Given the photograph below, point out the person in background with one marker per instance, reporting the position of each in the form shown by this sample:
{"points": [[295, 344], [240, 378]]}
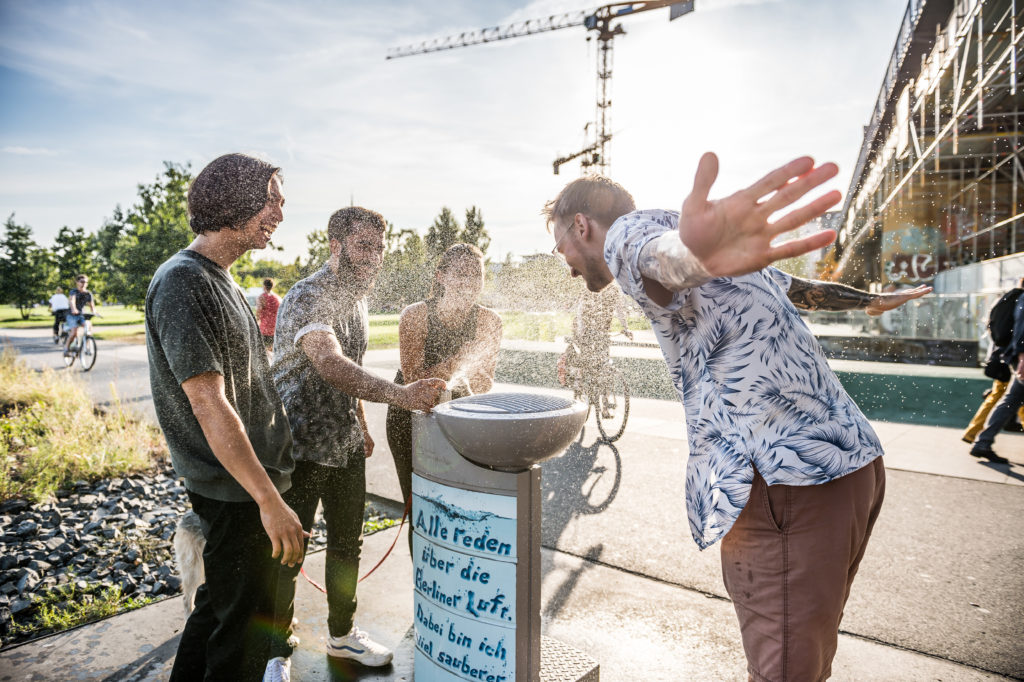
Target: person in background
{"points": [[59, 306], [266, 313], [322, 334], [79, 298], [449, 336], [592, 327], [1013, 398], [997, 370]]}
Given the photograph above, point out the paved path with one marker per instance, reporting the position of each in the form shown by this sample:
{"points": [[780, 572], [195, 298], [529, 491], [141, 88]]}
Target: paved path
{"points": [[939, 595]]}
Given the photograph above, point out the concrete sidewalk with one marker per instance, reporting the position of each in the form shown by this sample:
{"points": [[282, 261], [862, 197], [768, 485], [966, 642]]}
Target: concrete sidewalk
{"points": [[629, 588], [635, 627]]}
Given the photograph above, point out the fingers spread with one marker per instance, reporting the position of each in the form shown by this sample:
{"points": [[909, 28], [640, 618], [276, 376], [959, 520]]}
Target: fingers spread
{"points": [[798, 217], [797, 188], [798, 247], [707, 172], [779, 177]]}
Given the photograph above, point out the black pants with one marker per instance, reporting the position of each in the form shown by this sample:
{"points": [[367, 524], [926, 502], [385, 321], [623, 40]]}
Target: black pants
{"points": [[226, 637], [58, 319], [343, 493], [399, 430], [1003, 412]]}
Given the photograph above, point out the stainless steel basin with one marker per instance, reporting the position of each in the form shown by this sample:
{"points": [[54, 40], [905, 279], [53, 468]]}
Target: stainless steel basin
{"points": [[510, 431]]}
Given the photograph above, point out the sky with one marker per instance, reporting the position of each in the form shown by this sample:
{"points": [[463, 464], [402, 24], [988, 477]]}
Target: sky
{"points": [[95, 95]]}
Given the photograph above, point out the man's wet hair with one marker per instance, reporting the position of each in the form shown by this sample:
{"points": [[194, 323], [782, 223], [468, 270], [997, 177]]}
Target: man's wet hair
{"points": [[345, 220], [229, 191], [268, 283], [594, 196]]}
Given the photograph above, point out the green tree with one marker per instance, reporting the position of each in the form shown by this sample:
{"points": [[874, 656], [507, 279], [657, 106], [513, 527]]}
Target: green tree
{"points": [[474, 231], [444, 232], [25, 268], [318, 250], [75, 254], [153, 230]]}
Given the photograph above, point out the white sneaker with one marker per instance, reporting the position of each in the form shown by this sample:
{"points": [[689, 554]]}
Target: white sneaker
{"points": [[358, 646], [278, 670]]}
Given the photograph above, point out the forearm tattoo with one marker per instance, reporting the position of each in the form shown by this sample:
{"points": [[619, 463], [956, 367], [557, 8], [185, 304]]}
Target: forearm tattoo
{"points": [[813, 295], [667, 260]]}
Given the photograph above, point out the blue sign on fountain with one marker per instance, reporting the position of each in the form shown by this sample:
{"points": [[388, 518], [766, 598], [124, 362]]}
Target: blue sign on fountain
{"points": [[464, 566]]}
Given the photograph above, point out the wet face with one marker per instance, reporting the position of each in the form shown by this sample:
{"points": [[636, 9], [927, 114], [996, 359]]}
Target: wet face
{"points": [[363, 249], [577, 242], [257, 231], [463, 282]]}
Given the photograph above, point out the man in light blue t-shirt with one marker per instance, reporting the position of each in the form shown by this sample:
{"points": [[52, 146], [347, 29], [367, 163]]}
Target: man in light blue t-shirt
{"points": [[783, 467]]}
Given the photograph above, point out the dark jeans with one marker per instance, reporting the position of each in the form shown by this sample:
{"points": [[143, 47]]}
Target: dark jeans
{"points": [[343, 493], [1003, 412], [225, 637], [399, 430], [58, 320]]}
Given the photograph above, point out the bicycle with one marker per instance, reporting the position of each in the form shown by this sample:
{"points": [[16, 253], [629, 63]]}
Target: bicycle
{"points": [[604, 388], [83, 348]]}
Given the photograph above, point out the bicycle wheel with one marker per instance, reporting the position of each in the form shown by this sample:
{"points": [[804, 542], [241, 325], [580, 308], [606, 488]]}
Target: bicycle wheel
{"points": [[601, 484], [71, 353], [88, 353], [613, 406]]}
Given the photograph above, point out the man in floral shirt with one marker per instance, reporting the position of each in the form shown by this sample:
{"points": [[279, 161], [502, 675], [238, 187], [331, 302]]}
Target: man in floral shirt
{"points": [[783, 466]]}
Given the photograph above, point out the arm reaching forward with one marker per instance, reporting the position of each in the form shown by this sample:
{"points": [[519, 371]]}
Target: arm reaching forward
{"points": [[330, 362], [809, 294]]}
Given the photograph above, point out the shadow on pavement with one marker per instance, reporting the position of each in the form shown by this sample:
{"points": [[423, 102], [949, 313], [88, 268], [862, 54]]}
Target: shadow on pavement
{"points": [[583, 481]]}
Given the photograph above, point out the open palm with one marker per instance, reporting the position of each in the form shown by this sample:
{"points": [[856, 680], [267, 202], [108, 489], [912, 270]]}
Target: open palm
{"points": [[732, 236]]}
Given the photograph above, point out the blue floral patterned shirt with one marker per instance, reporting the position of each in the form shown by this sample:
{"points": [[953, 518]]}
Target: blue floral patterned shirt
{"points": [[754, 382]]}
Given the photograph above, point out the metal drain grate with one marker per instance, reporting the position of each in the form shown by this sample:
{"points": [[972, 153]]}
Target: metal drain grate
{"points": [[509, 403]]}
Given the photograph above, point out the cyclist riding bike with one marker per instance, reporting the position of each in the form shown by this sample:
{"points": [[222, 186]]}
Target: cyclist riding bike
{"points": [[592, 331], [78, 300]]}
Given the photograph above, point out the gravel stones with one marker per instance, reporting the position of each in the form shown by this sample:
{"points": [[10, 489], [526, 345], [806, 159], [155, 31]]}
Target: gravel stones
{"points": [[116, 532]]}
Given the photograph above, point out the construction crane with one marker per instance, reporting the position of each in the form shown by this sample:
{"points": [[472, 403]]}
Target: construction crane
{"points": [[595, 153]]}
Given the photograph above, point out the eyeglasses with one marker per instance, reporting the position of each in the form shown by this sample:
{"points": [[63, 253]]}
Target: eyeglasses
{"points": [[554, 250]]}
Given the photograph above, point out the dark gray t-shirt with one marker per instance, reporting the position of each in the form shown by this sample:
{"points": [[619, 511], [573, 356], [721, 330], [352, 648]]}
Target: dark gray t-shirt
{"points": [[197, 320], [323, 419]]}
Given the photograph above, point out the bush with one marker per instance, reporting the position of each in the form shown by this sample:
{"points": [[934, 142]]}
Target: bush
{"points": [[51, 434]]}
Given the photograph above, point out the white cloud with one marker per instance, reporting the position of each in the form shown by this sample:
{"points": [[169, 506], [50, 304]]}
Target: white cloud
{"points": [[28, 151]]}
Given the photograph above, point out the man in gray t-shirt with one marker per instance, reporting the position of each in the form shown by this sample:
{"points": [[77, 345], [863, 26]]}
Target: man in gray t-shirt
{"points": [[319, 342], [225, 426]]}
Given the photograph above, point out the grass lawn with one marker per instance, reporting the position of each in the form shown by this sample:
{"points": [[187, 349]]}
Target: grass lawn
{"points": [[51, 435], [40, 317]]}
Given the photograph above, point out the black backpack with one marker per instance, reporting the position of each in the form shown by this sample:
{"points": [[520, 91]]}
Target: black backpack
{"points": [[1000, 318]]}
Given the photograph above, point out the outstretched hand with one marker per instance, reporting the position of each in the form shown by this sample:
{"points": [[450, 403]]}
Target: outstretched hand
{"points": [[883, 302], [732, 236]]}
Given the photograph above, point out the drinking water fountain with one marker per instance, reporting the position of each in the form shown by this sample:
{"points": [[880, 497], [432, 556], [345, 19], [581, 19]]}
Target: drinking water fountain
{"points": [[476, 520]]}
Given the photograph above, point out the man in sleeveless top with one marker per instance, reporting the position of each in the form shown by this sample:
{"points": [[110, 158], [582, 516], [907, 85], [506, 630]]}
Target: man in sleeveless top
{"points": [[783, 467], [319, 343]]}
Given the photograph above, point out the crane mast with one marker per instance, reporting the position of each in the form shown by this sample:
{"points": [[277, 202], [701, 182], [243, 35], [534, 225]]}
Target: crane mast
{"points": [[596, 153]]}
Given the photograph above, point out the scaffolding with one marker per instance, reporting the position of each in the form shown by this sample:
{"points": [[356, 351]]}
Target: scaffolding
{"points": [[939, 182]]}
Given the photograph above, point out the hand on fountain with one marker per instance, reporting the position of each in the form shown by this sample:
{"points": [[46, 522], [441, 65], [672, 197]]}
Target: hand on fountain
{"points": [[422, 394]]}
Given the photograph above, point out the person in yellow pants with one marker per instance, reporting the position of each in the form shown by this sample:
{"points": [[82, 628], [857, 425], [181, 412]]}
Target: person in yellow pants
{"points": [[992, 396]]}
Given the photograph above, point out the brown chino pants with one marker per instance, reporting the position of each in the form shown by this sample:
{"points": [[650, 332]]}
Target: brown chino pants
{"points": [[788, 563]]}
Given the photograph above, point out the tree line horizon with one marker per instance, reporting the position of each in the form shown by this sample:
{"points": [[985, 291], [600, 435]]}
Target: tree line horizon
{"points": [[121, 256]]}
